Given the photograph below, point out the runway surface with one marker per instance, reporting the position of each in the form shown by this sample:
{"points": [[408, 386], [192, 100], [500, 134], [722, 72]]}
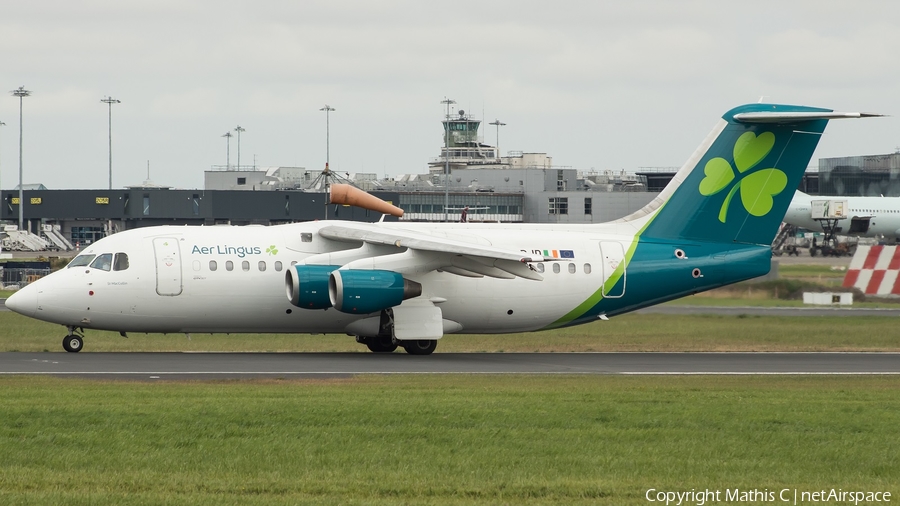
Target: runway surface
{"points": [[145, 366]]}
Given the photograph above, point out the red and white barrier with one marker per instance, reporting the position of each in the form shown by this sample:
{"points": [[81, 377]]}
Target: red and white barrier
{"points": [[874, 269]]}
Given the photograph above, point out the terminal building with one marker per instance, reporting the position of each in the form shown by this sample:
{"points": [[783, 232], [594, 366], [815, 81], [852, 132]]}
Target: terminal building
{"points": [[868, 175]]}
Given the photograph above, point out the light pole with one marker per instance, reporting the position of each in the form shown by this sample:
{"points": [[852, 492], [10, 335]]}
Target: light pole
{"points": [[326, 173], [227, 136], [449, 102], [2, 124], [327, 110], [497, 123], [21, 93], [239, 129], [110, 101]]}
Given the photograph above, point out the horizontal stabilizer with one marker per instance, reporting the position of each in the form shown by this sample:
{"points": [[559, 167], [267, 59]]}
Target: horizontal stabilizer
{"points": [[794, 116]]}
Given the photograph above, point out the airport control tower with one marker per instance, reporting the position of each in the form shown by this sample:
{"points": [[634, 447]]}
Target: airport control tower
{"points": [[464, 146]]}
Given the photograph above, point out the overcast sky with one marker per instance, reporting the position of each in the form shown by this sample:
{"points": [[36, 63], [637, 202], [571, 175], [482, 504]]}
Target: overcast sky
{"points": [[596, 85]]}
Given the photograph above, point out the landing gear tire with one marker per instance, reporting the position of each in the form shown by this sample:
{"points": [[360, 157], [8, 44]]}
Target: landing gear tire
{"points": [[73, 344], [380, 345], [420, 347]]}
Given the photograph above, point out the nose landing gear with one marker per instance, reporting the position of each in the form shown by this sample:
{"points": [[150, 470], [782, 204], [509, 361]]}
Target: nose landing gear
{"points": [[73, 342]]}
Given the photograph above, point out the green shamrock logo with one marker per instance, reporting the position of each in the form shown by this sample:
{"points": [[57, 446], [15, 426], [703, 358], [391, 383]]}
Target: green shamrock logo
{"points": [[272, 250], [757, 188]]}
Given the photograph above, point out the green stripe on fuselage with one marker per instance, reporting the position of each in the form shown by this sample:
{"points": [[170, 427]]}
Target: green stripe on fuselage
{"points": [[614, 278]]}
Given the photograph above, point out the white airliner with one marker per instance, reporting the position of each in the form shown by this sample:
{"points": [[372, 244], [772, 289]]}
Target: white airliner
{"points": [[409, 284], [865, 216]]}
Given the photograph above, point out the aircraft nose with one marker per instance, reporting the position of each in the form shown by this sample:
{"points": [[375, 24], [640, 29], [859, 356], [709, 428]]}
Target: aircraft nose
{"points": [[24, 301]]}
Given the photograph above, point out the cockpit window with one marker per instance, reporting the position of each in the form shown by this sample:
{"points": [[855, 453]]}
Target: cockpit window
{"points": [[81, 261], [102, 262], [121, 262]]}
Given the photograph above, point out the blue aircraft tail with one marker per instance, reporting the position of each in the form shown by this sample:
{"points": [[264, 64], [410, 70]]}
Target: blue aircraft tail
{"points": [[737, 186]]}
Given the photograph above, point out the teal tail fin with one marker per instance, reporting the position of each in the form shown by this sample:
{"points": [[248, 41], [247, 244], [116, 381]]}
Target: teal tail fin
{"points": [[739, 183]]}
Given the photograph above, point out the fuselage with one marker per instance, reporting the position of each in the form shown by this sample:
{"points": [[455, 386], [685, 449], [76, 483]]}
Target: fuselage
{"points": [[232, 279]]}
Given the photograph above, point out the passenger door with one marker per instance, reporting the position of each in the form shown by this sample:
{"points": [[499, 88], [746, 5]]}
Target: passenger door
{"points": [[168, 266], [612, 257]]}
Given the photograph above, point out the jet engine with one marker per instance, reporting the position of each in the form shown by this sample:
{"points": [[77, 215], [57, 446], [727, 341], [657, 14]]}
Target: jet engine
{"points": [[307, 285], [358, 291]]}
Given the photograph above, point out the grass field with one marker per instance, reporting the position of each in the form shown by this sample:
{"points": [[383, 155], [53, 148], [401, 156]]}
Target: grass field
{"points": [[442, 440]]}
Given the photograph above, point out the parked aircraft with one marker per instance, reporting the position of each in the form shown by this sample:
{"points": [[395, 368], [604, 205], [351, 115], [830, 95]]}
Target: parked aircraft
{"points": [[409, 284], [863, 216]]}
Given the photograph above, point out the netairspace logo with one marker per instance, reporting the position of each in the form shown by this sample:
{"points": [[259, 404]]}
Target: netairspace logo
{"points": [[755, 496]]}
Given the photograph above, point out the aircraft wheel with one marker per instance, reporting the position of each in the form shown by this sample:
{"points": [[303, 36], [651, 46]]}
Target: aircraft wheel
{"points": [[73, 344], [380, 345], [420, 347]]}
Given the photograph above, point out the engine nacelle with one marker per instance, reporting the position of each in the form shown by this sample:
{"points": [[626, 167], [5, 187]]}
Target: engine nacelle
{"points": [[307, 285], [358, 291]]}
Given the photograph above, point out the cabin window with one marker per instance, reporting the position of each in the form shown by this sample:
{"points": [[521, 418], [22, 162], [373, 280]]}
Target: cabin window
{"points": [[587, 268], [262, 266], [556, 268], [245, 266], [213, 265], [278, 266], [571, 268], [195, 265], [539, 267], [102, 262], [229, 265], [81, 261], [121, 262]]}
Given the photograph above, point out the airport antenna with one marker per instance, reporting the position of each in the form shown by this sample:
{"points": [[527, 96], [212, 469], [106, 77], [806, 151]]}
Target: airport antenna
{"points": [[110, 101], [448, 102], [21, 93]]}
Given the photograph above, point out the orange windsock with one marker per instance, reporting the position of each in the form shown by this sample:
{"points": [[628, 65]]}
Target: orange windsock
{"points": [[352, 196]]}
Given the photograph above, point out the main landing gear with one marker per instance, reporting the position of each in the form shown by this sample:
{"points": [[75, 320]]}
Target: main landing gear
{"points": [[383, 344], [420, 347], [379, 344], [73, 342]]}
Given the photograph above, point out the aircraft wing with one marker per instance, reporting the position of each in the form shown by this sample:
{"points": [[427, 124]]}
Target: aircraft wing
{"points": [[437, 253]]}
